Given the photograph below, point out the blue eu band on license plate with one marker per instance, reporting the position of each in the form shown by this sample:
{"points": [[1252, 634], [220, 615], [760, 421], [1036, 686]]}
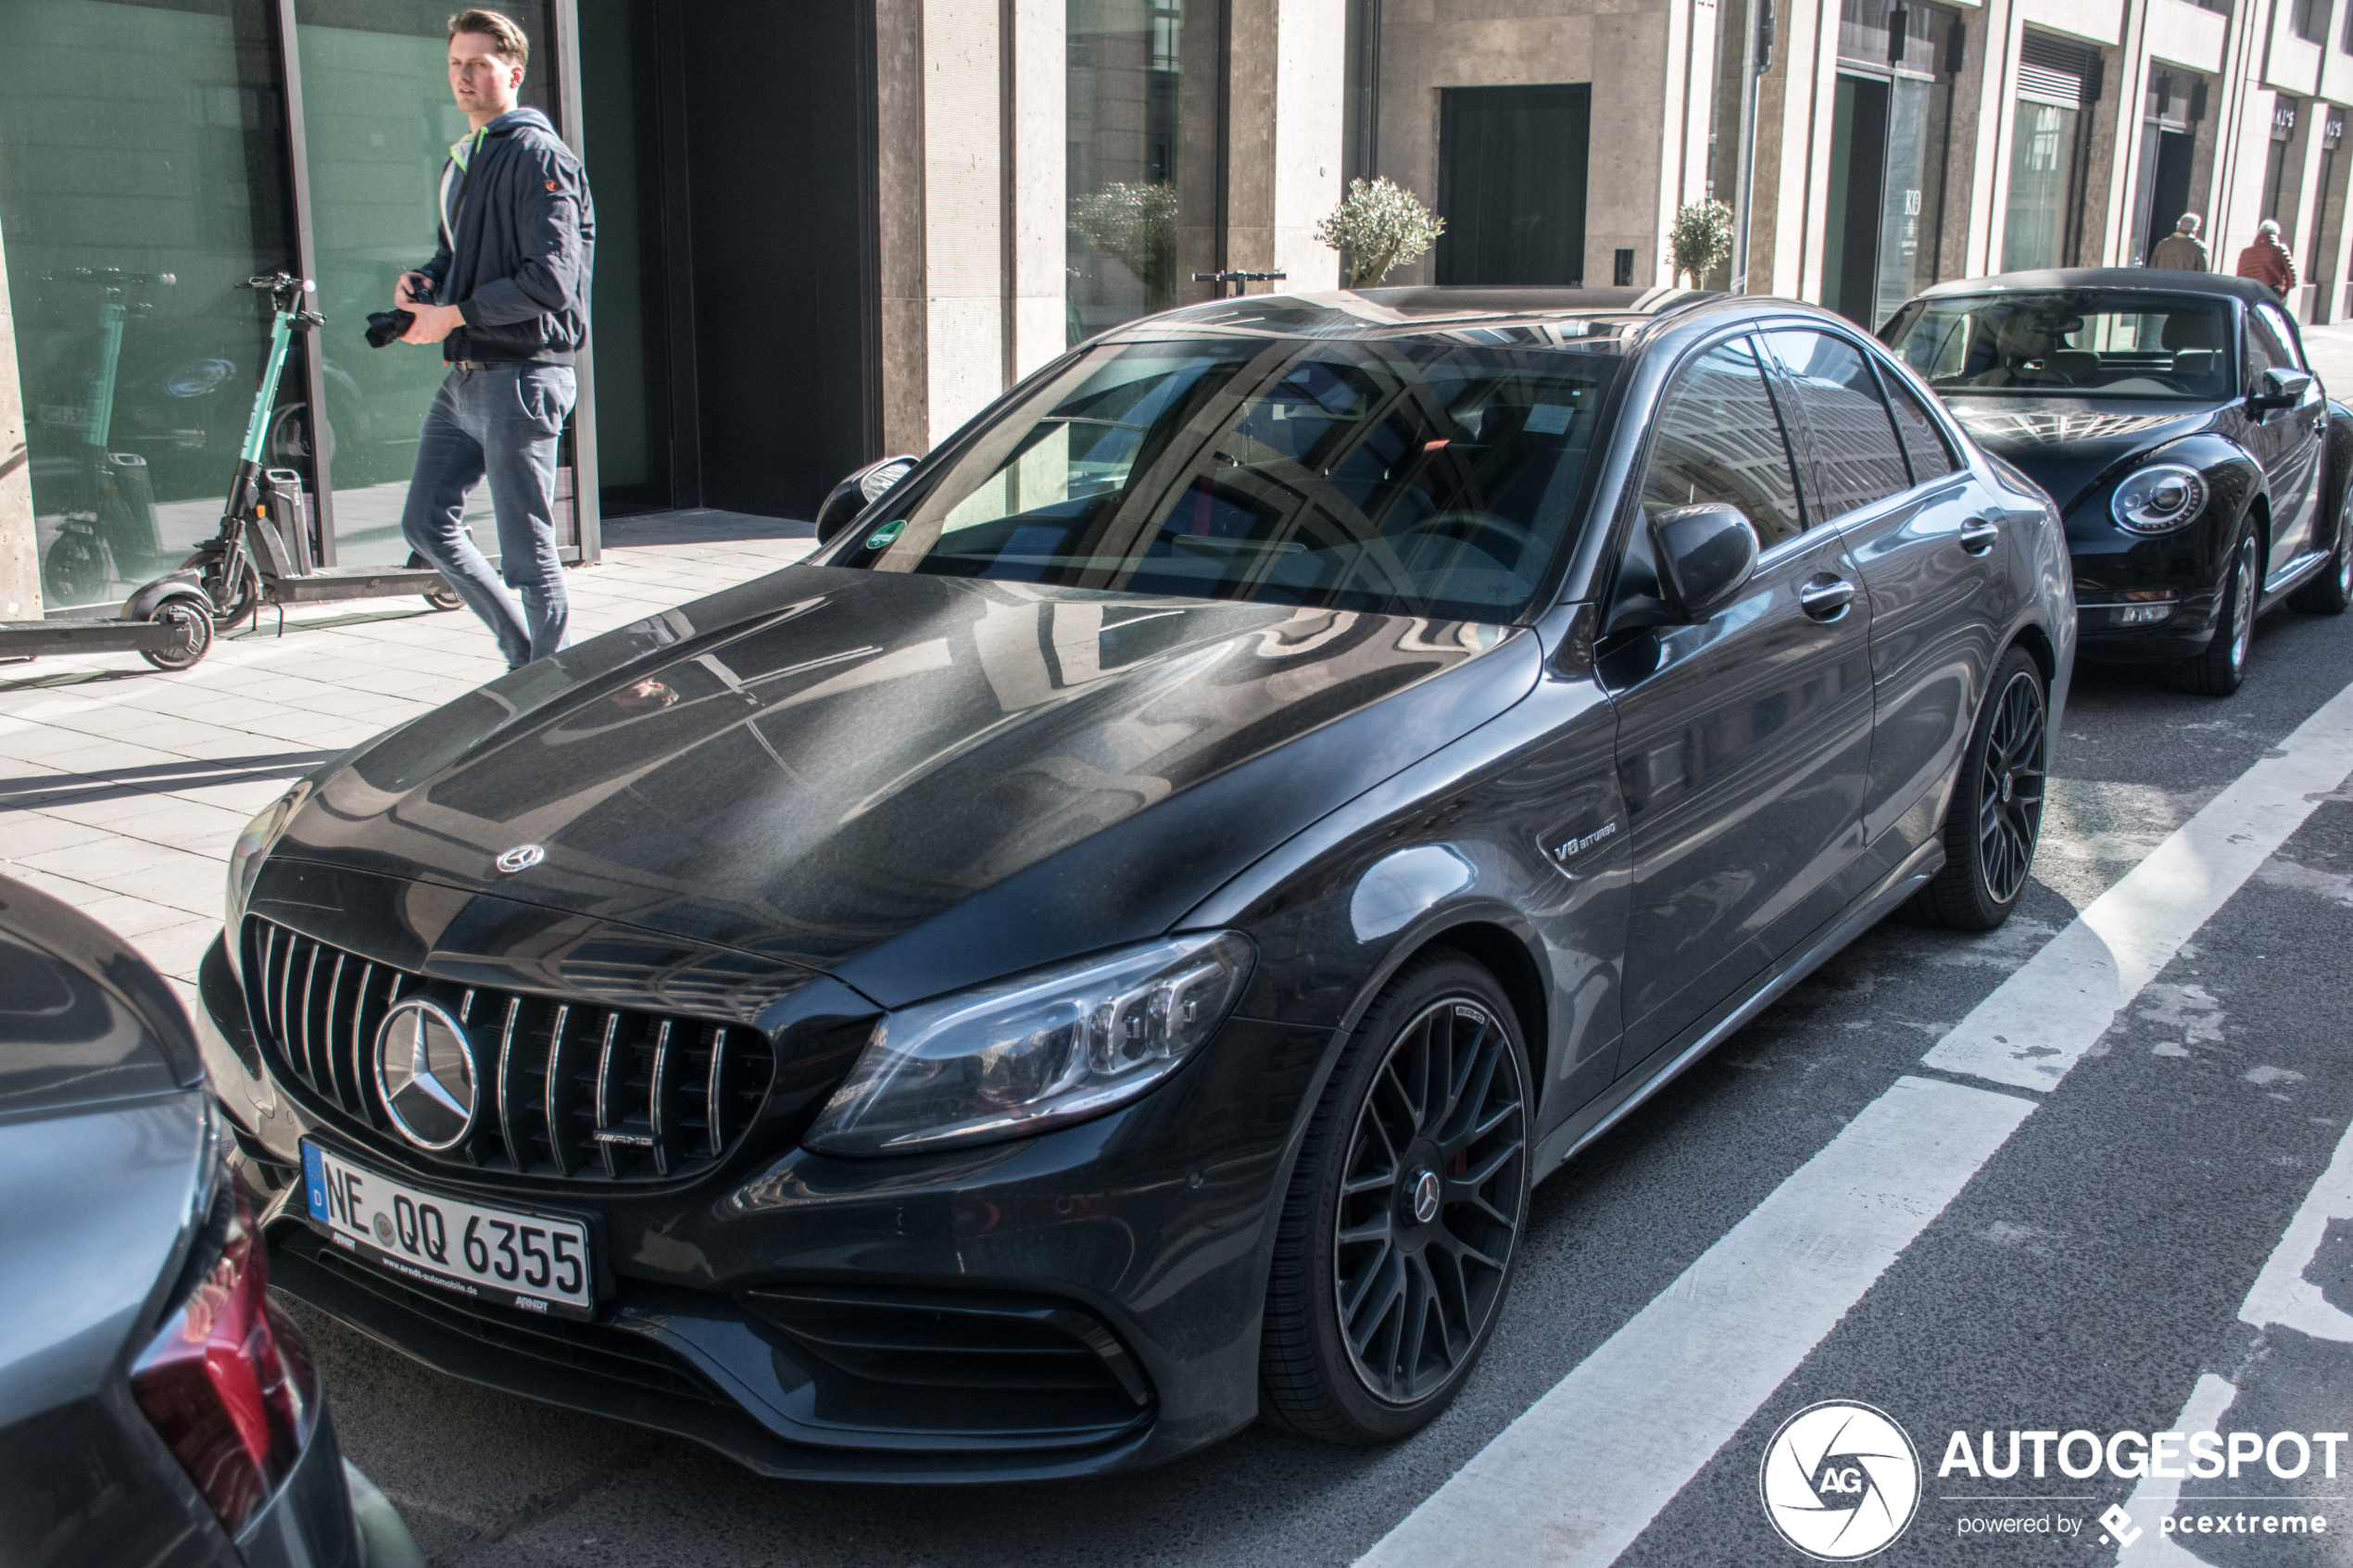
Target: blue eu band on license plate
{"points": [[537, 1262]]}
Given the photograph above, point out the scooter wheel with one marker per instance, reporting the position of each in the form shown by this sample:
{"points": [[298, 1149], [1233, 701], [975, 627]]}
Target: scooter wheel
{"points": [[235, 600], [77, 570], [444, 598], [194, 641]]}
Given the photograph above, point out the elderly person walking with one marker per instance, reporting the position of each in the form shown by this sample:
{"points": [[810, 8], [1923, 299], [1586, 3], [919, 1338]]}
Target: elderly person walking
{"points": [[2267, 260], [2183, 251]]}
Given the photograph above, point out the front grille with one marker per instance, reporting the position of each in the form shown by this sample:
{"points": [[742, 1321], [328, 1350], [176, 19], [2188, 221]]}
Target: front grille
{"points": [[573, 1089]]}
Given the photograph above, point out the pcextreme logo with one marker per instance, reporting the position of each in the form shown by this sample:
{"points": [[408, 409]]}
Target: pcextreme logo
{"points": [[1840, 1481]]}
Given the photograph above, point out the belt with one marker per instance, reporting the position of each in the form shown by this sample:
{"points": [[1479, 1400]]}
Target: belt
{"points": [[484, 364]]}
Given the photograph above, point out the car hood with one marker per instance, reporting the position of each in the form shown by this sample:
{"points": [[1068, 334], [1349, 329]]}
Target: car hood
{"points": [[2067, 445], [909, 782]]}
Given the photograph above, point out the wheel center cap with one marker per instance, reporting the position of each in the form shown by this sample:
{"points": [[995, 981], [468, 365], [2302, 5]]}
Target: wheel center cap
{"points": [[1422, 1196], [2009, 783]]}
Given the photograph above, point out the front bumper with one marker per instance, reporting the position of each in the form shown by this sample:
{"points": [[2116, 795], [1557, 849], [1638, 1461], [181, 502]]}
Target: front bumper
{"points": [[1083, 1301]]}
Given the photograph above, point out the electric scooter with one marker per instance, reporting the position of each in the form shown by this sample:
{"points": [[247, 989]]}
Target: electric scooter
{"points": [[262, 554], [113, 534]]}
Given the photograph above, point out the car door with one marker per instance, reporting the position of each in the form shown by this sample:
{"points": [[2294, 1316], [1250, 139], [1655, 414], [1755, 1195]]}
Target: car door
{"points": [[1743, 739], [2290, 439], [1933, 558]]}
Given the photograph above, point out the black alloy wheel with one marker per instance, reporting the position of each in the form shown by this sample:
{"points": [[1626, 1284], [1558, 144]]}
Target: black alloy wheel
{"points": [[2331, 590], [1997, 816], [194, 634], [1401, 1230], [2223, 666]]}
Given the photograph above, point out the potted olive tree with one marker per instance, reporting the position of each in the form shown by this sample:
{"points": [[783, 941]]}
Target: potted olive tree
{"points": [[1378, 227]]}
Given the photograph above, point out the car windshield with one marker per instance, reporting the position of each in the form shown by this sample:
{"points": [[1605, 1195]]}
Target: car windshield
{"points": [[2070, 343], [1412, 476]]}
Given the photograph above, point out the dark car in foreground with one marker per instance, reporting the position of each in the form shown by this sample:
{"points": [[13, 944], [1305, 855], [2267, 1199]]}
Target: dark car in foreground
{"points": [[1105, 948], [2200, 465], [154, 1408]]}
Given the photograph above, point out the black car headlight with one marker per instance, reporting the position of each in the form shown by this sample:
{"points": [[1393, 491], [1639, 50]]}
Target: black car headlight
{"points": [[1041, 1051], [2159, 498]]}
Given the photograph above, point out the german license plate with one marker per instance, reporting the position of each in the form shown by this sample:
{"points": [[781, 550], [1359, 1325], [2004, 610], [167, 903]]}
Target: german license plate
{"points": [[535, 1262]]}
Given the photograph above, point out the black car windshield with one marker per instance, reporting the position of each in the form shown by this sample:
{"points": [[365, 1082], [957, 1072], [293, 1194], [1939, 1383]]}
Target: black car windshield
{"points": [[1412, 476], [2098, 343]]}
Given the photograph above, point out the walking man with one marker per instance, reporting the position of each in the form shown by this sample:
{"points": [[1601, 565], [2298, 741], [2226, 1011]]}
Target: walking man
{"points": [[505, 296], [2267, 260], [2183, 251]]}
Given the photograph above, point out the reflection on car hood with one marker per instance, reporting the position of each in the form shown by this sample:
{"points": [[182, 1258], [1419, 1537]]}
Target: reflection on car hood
{"points": [[2069, 445], [810, 766]]}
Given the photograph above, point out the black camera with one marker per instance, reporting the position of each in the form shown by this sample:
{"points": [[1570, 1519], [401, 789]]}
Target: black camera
{"points": [[384, 326]]}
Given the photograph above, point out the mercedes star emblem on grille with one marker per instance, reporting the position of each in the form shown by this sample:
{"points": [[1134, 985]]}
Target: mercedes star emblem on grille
{"points": [[522, 858], [425, 1071]]}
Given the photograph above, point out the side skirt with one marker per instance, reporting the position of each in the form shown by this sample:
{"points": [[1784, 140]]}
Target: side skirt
{"points": [[1664, 1065]]}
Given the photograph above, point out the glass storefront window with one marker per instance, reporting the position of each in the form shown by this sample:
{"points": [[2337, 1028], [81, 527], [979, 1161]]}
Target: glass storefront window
{"points": [[2042, 166], [138, 143], [378, 120], [1138, 201]]}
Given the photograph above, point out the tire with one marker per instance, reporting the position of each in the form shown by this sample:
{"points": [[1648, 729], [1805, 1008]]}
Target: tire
{"points": [[444, 598], [233, 597], [1996, 819], [195, 639], [77, 570], [1410, 1202], [2329, 593], [2223, 666]]}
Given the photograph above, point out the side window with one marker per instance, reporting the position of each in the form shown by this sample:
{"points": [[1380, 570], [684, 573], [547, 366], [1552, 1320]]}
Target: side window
{"points": [[1857, 459], [1923, 442], [2271, 343], [1720, 439]]}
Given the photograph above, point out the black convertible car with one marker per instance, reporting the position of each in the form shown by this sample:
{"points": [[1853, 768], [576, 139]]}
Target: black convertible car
{"points": [[2198, 461], [1105, 948]]}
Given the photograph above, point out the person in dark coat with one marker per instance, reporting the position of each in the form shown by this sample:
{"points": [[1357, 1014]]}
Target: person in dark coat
{"points": [[2183, 251]]}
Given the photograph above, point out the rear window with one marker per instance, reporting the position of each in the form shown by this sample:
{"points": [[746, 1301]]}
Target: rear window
{"points": [[2070, 343], [1412, 476]]}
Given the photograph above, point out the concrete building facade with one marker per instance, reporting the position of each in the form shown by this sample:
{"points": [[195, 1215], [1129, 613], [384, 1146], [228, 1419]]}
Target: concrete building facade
{"points": [[834, 229]]}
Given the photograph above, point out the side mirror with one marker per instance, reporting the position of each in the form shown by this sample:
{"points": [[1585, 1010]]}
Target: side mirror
{"points": [[1705, 555], [857, 492], [2279, 389]]}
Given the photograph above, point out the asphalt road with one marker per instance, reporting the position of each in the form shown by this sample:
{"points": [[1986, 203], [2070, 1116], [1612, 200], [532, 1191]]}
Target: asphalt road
{"points": [[2089, 1274]]}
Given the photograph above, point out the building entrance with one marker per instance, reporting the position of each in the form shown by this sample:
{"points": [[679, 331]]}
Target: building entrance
{"points": [[1512, 183]]}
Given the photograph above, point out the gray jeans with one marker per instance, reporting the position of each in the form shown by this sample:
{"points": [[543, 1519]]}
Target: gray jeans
{"points": [[501, 424]]}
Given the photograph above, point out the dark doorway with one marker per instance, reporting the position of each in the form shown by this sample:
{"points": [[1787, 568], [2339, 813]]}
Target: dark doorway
{"points": [[2170, 194], [1857, 184], [737, 165], [1511, 183]]}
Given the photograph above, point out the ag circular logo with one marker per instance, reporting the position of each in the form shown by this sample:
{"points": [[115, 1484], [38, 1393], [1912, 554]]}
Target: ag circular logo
{"points": [[425, 1071], [1840, 1481]]}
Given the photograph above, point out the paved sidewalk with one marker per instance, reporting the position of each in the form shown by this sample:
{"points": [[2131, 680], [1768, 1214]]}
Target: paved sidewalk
{"points": [[121, 787]]}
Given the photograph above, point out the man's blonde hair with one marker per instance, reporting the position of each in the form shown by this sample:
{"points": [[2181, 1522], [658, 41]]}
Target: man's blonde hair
{"points": [[513, 47]]}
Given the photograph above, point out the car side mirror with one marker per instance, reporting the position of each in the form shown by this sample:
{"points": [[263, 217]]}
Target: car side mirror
{"points": [[857, 492], [2279, 389], [1706, 554]]}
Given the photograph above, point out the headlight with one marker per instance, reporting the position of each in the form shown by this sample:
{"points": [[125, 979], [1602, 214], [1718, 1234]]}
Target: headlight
{"points": [[2159, 498], [1040, 1051], [246, 854]]}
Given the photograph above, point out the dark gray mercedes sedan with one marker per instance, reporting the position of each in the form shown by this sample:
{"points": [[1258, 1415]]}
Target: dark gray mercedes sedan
{"points": [[1102, 951]]}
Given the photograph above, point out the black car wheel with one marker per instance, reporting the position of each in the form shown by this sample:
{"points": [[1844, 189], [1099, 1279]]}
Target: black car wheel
{"points": [[2333, 589], [1402, 1226], [2219, 671], [1997, 816]]}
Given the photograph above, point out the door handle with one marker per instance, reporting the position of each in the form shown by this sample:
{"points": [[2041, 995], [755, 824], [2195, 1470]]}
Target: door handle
{"points": [[1978, 535], [1826, 598]]}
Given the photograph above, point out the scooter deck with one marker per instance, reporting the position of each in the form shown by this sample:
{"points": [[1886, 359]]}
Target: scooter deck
{"points": [[30, 639], [349, 582]]}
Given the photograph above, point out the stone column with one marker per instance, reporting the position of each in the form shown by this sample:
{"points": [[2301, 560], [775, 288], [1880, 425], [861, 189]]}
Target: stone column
{"points": [[20, 554]]}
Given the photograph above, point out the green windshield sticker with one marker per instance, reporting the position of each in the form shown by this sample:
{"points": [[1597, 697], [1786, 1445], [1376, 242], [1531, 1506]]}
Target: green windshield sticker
{"points": [[885, 534]]}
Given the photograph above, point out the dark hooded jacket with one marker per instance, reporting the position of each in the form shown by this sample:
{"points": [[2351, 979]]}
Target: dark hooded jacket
{"points": [[516, 257]]}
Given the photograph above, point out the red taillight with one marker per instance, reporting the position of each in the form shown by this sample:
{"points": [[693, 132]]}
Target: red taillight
{"points": [[228, 1381]]}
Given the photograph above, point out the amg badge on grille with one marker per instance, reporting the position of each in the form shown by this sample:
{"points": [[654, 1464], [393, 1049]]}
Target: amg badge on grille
{"points": [[425, 1071]]}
